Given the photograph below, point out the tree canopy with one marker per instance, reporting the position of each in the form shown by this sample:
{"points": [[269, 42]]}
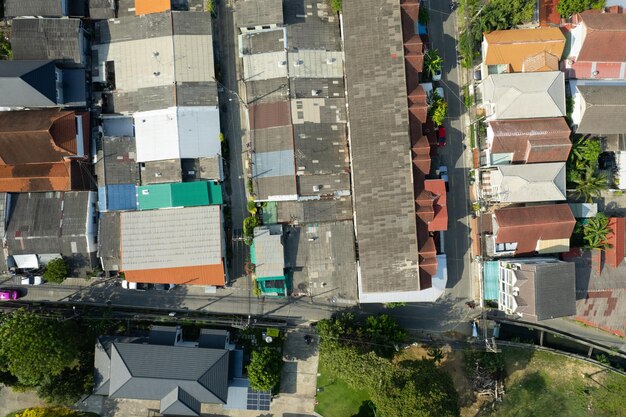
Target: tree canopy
{"points": [[566, 8], [596, 231], [56, 270], [50, 412], [33, 348], [264, 369]]}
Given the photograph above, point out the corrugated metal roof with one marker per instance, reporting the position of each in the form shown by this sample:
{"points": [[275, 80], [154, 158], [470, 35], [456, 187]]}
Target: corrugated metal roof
{"points": [[151, 6], [51, 8], [27, 83], [109, 241], [268, 252], [259, 12], [117, 197], [318, 28], [181, 275], [55, 39], [184, 194], [183, 237]]}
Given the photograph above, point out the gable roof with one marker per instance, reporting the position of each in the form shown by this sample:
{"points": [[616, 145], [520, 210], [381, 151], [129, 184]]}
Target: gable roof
{"points": [[528, 225], [180, 403], [203, 373], [526, 95], [55, 39], [27, 83], [603, 109], [532, 140], [515, 46], [605, 38], [526, 183]]}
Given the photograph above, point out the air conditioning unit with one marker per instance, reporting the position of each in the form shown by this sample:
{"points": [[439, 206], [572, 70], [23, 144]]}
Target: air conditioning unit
{"points": [[331, 60], [317, 188], [315, 93], [282, 63], [299, 62]]}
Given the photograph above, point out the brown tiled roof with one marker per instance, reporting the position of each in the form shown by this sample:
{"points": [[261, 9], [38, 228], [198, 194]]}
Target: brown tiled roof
{"points": [[36, 136], [184, 275], [532, 140], [543, 61], [266, 115], [528, 225], [614, 255], [66, 175], [605, 40], [548, 15], [513, 46]]}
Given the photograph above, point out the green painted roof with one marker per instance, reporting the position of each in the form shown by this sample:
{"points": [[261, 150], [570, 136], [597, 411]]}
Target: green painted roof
{"points": [[179, 194]]}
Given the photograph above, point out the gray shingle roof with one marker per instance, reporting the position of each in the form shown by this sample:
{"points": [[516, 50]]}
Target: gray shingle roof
{"points": [[180, 403], [258, 12], [51, 8], [27, 83], [547, 290], [212, 338], [55, 39], [163, 335], [604, 109], [522, 183], [150, 372], [381, 157]]}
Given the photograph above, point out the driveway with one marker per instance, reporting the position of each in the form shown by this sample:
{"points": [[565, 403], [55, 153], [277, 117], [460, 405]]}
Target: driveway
{"points": [[12, 400]]}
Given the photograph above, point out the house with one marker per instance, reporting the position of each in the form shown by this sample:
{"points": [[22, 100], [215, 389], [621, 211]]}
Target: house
{"points": [[267, 253], [155, 61], [177, 246], [515, 231], [180, 194], [45, 8], [254, 15], [522, 50], [61, 40], [523, 183], [177, 133], [527, 141], [41, 84], [118, 173], [44, 226], [206, 371], [527, 95], [398, 258], [537, 288], [598, 46], [44, 150], [432, 205], [599, 107]]}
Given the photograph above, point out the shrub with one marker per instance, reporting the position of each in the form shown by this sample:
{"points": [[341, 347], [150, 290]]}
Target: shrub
{"points": [[336, 5], [566, 8], [56, 270], [264, 369]]}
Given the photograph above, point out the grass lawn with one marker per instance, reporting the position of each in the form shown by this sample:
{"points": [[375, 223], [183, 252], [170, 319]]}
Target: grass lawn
{"points": [[337, 399], [544, 384]]}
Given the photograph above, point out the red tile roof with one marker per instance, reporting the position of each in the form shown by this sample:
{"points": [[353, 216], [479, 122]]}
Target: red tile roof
{"points": [[528, 225], [614, 255], [548, 16], [439, 204], [266, 115], [605, 40]]}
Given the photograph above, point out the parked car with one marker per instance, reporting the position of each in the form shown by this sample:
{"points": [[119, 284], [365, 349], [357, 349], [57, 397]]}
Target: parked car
{"points": [[443, 174], [32, 280], [441, 136], [6, 294]]}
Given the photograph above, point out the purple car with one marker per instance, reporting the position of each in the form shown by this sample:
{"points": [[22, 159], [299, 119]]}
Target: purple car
{"points": [[9, 295]]}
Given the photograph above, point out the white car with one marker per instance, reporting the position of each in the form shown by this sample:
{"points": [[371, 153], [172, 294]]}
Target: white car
{"points": [[36, 280], [127, 285]]}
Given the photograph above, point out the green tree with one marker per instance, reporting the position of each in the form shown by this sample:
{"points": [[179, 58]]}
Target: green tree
{"points": [[264, 369], [566, 8], [590, 185], [435, 353], [439, 111], [432, 62], [5, 47], [36, 348], [384, 333], [67, 387], [336, 5], [596, 231], [56, 270]]}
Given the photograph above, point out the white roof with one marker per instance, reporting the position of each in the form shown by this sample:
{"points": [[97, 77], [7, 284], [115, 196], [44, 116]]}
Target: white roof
{"points": [[155, 239], [315, 64], [26, 261], [269, 251], [177, 132], [525, 95], [528, 183], [259, 67]]}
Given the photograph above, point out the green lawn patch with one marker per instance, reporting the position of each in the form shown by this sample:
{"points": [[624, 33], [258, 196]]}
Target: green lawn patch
{"points": [[544, 384], [337, 399]]}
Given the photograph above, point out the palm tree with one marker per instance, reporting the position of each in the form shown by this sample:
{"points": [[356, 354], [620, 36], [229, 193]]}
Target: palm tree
{"points": [[435, 353], [432, 62], [596, 231], [590, 185]]}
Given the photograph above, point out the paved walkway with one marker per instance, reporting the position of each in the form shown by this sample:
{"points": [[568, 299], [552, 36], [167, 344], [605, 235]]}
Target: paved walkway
{"points": [[12, 400]]}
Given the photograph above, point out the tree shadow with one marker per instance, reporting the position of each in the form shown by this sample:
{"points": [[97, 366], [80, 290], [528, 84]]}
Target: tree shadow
{"points": [[367, 409]]}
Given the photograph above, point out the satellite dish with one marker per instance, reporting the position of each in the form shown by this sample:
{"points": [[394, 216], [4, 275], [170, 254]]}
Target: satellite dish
{"points": [[268, 339]]}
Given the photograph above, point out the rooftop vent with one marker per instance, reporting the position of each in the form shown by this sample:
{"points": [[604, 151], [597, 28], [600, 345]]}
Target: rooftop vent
{"points": [[282, 63], [299, 62], [330, 60]]}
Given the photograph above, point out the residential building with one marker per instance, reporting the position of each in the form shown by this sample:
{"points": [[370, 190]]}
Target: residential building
{"points": [[44, 226], [598, 107], [522, 50], [44, 150], [398, 260], [523, 183], [109, 241], [267, 254], [177, 246], [256, 15], [179, 194], [527, 141], [45, 8], [537, 288], [61, 40], [516, 231], [598, 46], [524, 95], [155, 61], [206, 371], [118, 173], [102, 9], [41, 84]]}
